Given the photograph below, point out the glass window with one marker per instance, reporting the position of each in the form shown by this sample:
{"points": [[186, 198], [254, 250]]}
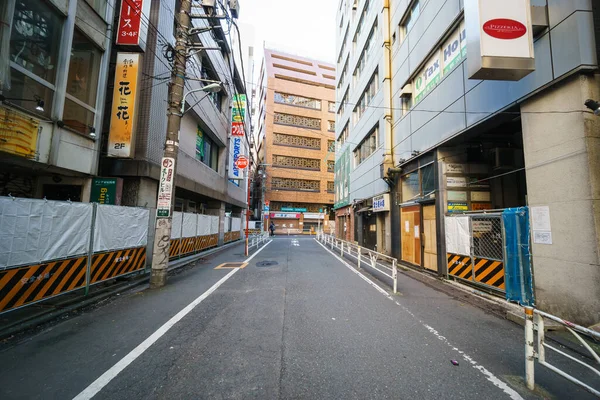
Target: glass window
{"points": [[84, 69], [100, 6], [35, 38], [77, 117], [24, 87], [410, 186], [428, 179]]}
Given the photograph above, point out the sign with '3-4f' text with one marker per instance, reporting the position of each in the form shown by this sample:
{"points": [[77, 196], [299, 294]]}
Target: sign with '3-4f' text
{"points": [[132, 30]]}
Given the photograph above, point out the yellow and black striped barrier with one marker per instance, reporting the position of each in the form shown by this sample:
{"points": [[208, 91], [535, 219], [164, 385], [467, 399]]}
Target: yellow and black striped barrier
{"points": [[183, 246], [460, 266], [115, 263], [32, 283], [231, 236], [490, 272]]}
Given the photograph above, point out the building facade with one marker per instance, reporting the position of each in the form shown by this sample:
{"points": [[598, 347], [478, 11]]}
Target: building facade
{"points": [[54, 63], [448, 144], [207, 181], [295, 142]]}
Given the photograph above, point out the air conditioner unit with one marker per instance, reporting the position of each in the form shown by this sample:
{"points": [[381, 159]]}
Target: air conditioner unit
{"points": [[234, 7], [507, 158]]}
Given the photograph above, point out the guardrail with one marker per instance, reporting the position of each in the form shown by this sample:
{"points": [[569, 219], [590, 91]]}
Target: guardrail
{"points": [[360, 254], [257, 239], [534, 320]]}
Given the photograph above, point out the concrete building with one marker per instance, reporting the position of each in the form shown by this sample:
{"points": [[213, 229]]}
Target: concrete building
{"points": [[295, 141], [54, 63], [204, 181], [446, 143]]}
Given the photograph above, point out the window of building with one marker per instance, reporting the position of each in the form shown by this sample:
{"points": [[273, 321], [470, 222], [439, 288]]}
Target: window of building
{"points": [[405, 104], [343, 103], [207, 151], [330, 165], [331, 126], [281, 139], [364, 55], [297, 101], [366, 147], [298, 185], [297, 120], [343, 48], [343, 74], [409, 20], [34, 50], [368, 95], [331, 106], [331, 146], [82, 84], [312, 164], [330, 187], [420, 182], [361, 21], [100, 6]]}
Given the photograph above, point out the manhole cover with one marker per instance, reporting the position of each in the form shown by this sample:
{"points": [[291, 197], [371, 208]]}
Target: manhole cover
{"points": [[266, 263], [232, 265]]}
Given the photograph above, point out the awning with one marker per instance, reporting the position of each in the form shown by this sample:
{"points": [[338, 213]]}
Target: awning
{"points": [[364, 209]]}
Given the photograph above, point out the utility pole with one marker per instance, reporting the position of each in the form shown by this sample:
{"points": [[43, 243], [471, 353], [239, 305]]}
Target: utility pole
{"points": [[168, 170]]}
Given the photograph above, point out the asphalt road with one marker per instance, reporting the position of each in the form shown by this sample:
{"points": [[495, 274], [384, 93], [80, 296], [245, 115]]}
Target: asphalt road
{"points": [[303, 325]]}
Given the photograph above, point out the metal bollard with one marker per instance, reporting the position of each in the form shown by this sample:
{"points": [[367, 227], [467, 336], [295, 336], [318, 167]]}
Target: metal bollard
{"points": [[395, 275], [529, 350], [342, 249], [332, 243], [359, 253]]}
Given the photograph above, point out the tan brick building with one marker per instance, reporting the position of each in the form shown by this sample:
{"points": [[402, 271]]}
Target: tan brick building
{"points": [[295, 141]]}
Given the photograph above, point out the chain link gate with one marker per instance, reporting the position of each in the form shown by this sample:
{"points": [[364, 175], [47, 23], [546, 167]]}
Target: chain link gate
{"points": [[475, 249]]}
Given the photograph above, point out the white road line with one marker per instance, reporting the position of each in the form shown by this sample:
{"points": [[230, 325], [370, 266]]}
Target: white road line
{"points": [[488, 375], [109, 375]]}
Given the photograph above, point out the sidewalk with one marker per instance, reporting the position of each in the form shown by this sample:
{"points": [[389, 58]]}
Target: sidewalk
{"points": [[29, 317]]}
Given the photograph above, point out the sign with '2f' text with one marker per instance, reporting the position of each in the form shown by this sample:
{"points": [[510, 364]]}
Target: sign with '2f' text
{"points": [[121, 136]]}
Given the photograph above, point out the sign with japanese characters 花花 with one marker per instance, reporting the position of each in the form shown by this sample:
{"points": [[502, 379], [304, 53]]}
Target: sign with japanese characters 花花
{"points": [[121, 135]]}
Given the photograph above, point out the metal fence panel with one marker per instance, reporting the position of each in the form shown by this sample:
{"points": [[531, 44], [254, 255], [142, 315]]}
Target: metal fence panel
{"points": [[487, 237], [32, 231]]}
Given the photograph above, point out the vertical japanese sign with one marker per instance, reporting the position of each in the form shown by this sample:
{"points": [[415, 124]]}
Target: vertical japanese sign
{"points": [[123, 115], [132, 30], [236, 144], [165, 187]]}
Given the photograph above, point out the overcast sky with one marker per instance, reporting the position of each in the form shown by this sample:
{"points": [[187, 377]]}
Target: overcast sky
{"points": [[303, 27]]}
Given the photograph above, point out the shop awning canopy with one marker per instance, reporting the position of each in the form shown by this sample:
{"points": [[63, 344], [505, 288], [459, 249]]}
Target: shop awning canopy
{"points": [[364, 209]]}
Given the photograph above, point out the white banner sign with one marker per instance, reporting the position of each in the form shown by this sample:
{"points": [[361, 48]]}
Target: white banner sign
{"points": [[381, 203], [455, 181], [165, 187]]}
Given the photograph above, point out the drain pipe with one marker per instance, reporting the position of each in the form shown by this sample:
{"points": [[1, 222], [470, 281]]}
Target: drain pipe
{"points": [[388, 161]]}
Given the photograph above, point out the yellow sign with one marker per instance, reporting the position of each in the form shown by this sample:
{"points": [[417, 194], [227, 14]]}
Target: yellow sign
{"points": [[121, 139], [18, 133]]}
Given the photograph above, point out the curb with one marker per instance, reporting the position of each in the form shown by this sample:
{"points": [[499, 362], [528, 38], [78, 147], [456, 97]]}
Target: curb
{"points": [[102, 294]]}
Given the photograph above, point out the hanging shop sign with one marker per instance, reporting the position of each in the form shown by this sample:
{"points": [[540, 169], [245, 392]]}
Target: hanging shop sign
{"points": [[293, 209], [131, 30], [237, 147], [106, 191], [121, 136], [242, 162], [285, 215], [18, 133], [314, 216], [499, 39], [457, 206], [381, 202], [165, 187]]}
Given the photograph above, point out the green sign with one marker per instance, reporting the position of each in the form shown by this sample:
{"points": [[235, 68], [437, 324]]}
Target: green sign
{"points": [[104, 190], [292, 209], [199, 144]]}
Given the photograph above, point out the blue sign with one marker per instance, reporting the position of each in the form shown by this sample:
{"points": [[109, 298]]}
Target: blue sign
{"points": [[236, 142], [266, 208]]}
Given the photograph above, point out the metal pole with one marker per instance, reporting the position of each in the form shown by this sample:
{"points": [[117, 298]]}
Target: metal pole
{"points": [[359, 251], [160, 256], [90, 255], [529, 350], [247, 217], [342, 248], [395, 275]]}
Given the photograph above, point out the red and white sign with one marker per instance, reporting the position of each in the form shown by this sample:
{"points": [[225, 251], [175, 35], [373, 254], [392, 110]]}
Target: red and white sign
{"points": [[237, 129], [504, 28], [241, 162], [131, 28]]}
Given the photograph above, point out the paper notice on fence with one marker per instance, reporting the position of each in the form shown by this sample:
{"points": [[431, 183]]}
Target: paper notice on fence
{"points": [[458, 240]]}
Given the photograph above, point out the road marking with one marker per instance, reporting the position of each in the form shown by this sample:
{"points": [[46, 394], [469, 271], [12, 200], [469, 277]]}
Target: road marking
{"points": [[488, 375], [109, 375], [295, 242]]}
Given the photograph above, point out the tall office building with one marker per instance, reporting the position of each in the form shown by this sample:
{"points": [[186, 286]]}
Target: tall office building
{"points": [[295, 141], [428, 127]]}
